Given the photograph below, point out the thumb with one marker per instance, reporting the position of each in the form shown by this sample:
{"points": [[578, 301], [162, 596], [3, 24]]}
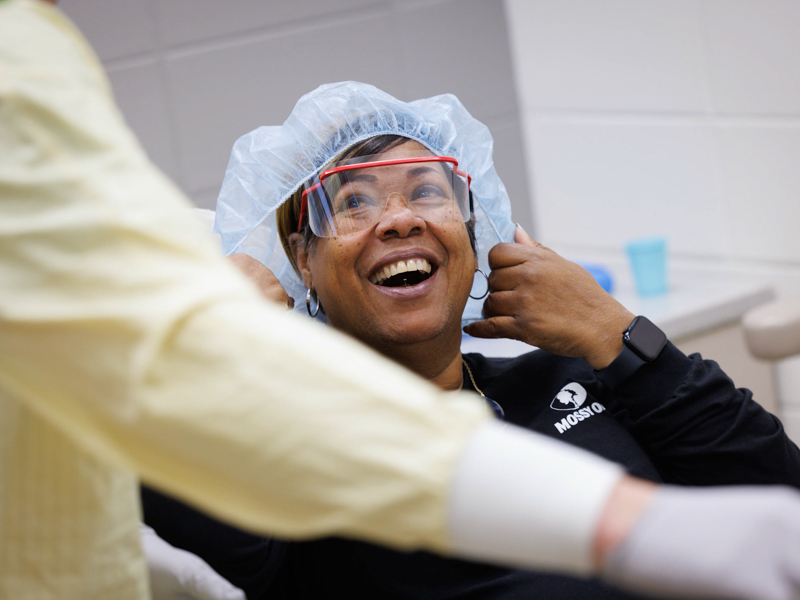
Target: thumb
{"points": [[494, 327], [521, 237]]}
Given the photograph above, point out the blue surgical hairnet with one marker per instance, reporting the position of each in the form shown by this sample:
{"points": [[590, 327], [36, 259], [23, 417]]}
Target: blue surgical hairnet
{"points": [[269, 164]]}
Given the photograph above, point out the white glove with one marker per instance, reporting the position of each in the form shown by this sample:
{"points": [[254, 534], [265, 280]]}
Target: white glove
{"points": [[733, 542], [179, 575]]}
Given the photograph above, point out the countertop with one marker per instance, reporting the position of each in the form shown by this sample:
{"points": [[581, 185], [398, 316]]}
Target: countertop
{"points": [[697, 300]]}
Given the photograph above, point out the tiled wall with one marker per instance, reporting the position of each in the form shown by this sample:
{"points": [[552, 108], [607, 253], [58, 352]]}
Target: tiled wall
{"points": [[670, 117], [631, 117], [193, 75]]}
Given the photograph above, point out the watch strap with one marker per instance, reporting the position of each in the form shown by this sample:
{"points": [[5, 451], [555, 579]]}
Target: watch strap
{"points": [[642, 342], [621, 368]]}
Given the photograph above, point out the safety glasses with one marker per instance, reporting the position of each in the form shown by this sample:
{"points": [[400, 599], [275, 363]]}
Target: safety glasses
{"points": [[353, 195]]}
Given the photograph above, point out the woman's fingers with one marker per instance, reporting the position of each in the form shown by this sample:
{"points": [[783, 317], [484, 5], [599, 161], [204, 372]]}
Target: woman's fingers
{"points": [[503, 303], [524, 249], [510, 278], [494, 327], [265, 280]]}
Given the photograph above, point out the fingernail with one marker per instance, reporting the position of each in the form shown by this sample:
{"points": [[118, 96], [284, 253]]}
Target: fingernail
{"points": [[521, 227]]}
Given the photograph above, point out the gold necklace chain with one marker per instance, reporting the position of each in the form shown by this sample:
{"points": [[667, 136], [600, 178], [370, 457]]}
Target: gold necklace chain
{"points": [[472, 379]]}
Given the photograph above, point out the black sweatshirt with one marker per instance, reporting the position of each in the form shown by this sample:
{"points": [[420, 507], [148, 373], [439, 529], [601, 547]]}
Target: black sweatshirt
{"points": [[676, 420]]}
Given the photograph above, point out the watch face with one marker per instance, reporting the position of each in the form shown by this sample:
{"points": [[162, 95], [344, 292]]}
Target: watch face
{"points": [[645, 338]]}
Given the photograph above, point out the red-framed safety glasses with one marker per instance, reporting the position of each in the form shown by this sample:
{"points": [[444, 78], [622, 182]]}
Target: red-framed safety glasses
{"points": [[353, 195]]}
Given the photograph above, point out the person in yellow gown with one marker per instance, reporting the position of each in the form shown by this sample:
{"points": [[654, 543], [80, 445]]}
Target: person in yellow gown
{"points": [[129, 348]]}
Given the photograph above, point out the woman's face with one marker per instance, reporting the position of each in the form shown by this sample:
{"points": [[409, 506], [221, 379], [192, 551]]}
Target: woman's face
{"points": [[349, 274]]}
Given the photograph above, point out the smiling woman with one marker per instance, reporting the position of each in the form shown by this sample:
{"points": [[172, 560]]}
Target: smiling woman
{"points": [[395, 259], [313, 161], [379, 212]]}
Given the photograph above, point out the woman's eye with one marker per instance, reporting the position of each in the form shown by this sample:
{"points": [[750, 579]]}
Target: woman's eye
{"points": [[428, 191], [353, 203]]}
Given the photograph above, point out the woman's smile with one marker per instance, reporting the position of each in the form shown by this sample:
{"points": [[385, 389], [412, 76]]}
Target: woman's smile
{"points": [[408, 273], [404, 273], [411, 272], [408, 285]]}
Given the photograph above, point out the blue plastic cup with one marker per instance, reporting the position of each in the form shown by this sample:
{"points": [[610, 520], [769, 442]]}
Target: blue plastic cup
{"points": [[648, 258]]}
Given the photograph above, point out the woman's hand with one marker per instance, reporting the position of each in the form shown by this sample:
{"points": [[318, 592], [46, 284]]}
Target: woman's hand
{"points": [[542, 299], [267, 283]]}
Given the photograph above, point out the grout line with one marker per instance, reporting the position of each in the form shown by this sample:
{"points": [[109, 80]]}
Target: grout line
{"points": [[411, 5], [634, 117], [271, 31], [702, 24], [169, 100], [719, 180], [703, 260], [132, 61], [502, 120]]}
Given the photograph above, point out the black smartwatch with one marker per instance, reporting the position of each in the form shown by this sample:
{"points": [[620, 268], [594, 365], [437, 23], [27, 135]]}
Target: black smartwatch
{"points": [[642, 342]]}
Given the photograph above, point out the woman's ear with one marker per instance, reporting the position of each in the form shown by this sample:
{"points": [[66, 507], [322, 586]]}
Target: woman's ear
{"points": [[301, 255]]}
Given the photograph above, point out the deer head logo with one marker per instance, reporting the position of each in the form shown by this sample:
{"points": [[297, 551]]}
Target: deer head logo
{"points": [[571, 397]]}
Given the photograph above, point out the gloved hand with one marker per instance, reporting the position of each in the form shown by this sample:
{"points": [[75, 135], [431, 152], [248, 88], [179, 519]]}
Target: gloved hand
{"points": [[741, 542], [179, 575]]}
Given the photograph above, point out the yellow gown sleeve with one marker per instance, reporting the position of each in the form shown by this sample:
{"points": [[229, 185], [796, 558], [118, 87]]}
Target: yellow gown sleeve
{"points": [[122, 328]]}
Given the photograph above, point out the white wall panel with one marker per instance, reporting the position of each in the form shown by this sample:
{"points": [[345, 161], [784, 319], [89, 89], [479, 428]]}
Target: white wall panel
{"points": [[511, 164], [193, 75], [181, 21], [226, 91], [761, 169], [115, 28], [754, 55], [459, 47], [609, 55], [141, 95], [602, 184]]}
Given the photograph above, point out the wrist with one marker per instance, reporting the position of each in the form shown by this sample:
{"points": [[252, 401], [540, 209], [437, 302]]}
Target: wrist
{"points": [[539, 520], [642, 342], [607, 343], [624, 508]]}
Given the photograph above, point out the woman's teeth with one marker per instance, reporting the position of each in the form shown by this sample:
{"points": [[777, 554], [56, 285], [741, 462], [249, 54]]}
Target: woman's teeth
{"points": [[415, 264]]}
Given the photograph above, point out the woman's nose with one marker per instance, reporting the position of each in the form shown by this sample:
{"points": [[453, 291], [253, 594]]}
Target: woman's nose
{"points": [[398, 219]]}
